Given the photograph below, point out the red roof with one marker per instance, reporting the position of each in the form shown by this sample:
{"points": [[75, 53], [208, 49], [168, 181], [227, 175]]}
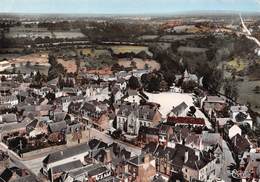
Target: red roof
{"points": [[186, 120]]}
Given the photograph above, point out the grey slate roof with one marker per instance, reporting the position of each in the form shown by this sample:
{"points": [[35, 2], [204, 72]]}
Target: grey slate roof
{"points": [[176, 156], [67, 167], [58, 126], [179, 109], [28, 178], [69, 152], [144, 112]]}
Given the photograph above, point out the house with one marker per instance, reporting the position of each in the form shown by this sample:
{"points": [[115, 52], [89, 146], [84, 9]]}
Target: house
{"points": [[113, 156], [250, 166], [8, 118], [213, 103], [35, 110], [178, 110], [57, 171], [92, 172], [164, 134], [131, 117], [70, 91], [240, 144], [36, 127], [233, 130], [142, 168], [4, 65], [175, 89], [14, 129], [8, 101], [193, 164], [208, 139], [96, 113], [148, 134], [188, 121], [65, 156], [189, 77], [240, 115], [117, 93], [57, 127], [66, 101]]}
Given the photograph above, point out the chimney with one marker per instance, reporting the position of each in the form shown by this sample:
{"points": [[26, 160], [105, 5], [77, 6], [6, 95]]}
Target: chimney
{"points": [[186, 156]]}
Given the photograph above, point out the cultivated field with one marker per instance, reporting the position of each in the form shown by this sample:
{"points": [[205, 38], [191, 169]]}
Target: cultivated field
{"points": [[129, 49], [94, 52], [140, 63], [69, 65], [36, 58]]}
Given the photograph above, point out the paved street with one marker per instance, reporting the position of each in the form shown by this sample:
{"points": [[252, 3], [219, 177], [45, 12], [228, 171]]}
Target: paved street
{"points": [[34, 162], [108, 139], [228, 159]]}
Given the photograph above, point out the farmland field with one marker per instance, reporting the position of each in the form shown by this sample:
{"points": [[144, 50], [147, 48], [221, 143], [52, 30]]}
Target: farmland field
{"points": [[69, 65], [129, 49], [94, 52], [36, 58], [140, 63]]}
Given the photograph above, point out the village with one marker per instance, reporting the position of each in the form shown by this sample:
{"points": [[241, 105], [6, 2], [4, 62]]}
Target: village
{"points": [[125, 125]]}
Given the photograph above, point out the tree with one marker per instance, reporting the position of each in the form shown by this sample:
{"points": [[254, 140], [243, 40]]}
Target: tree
{"points": [[3, 79], [257, 89], [146, 66], [38, 77], [56, 69], [133, 64], [19, 77], [189, 86], [192, 111], [212, 78], [230, 89], [111, 100], [154, 84], [169, 77], [116, 67], [133, 83]]}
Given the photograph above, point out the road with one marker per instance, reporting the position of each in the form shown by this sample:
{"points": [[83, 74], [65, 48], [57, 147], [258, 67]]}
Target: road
{"points": [[34, 162], [108, 139], [227, 161], [15, 159]]}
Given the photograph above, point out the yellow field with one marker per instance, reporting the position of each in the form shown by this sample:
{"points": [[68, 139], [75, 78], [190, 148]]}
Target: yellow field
{"points": [[93, 52], [128, 49], [237, 64]]}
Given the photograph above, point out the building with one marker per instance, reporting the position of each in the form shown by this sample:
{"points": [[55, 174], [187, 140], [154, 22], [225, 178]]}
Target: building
{"points": [[4, 65], [68, 155], [249, 168], [191, 164], [131, 117], [188, 121], [142, 168], [8, 101], [92, 172], [213, 103]]}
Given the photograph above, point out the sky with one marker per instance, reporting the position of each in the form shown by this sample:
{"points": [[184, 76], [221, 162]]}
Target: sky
{"points": [[126, 6]]}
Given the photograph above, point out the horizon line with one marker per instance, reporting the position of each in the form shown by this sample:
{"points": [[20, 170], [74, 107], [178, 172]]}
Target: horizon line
{"points": [[180, 13]]}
